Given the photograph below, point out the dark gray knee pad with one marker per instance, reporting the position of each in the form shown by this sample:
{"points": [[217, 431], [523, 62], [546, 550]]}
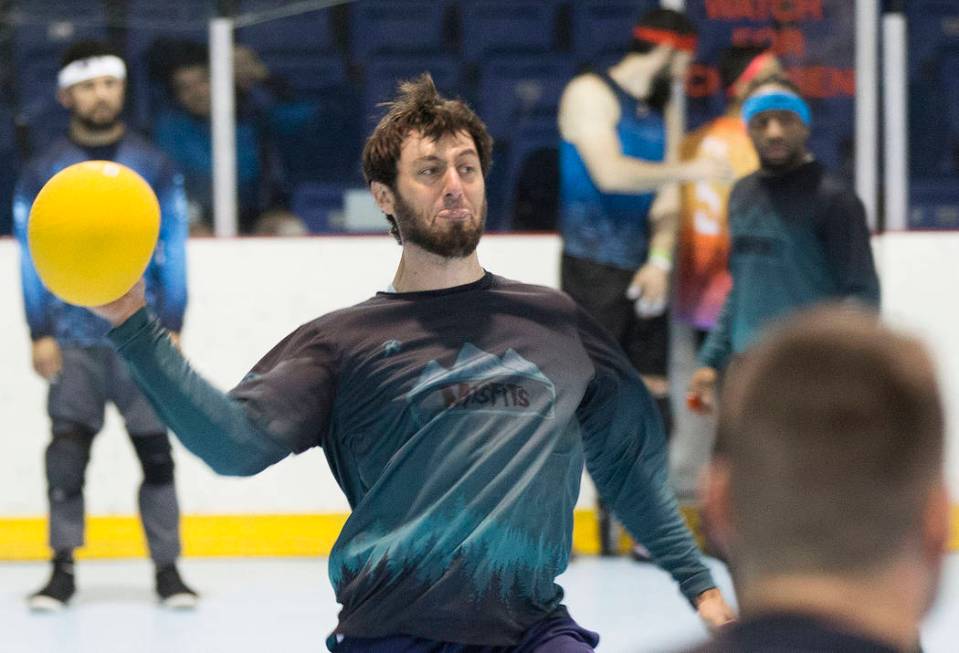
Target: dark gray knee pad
{"points": [[66, 461], [155, 458]]}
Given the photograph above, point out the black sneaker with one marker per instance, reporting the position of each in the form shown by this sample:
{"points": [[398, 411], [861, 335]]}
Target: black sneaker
{"points": [[173, 592], [55, 595]]}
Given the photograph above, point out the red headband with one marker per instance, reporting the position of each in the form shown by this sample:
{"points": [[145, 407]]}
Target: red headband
{"points": [[752, 70], [666, 37]]}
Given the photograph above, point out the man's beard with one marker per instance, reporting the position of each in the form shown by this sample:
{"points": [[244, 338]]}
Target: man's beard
{"points": [[94, 125], [660, 90], [794, 160], [458, 241]]}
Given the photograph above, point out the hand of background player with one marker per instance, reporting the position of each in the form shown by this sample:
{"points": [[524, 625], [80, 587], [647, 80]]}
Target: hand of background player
{"points": [[649, 290], [708, 168], [713, 610], [701, 397], [47, 359], [119, 311]]}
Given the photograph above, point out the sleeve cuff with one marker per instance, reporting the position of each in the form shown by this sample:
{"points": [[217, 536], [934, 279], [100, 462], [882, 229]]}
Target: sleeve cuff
{"points": [[137, 324], [693, 587]]}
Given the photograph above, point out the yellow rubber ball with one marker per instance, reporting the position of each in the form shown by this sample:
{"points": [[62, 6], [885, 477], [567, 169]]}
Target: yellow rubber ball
{"points": [[92, 232]]}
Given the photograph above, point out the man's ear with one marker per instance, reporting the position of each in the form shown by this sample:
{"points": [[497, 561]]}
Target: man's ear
{"points": [[383, 195], [714, 493], [65, 99], [937, 523]]}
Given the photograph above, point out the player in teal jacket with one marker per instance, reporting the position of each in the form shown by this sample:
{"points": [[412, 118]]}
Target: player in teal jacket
{"points": [[799, 236]]}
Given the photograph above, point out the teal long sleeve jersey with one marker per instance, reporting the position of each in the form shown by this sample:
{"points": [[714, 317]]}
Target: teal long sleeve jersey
{"points": [[457, 423], [797, 238]]}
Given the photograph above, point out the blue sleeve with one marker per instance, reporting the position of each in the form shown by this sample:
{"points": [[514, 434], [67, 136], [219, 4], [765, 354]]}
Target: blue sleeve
{"points": [[171, 138], [215, 426], [165, 134], [626, 455], [36, 298], [170, 259]]}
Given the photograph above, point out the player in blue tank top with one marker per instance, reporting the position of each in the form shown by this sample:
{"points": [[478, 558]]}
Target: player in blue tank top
{"points": [[618, 201], [456, 412]]}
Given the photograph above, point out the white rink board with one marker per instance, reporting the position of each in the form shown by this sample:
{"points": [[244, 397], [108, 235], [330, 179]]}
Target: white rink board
{"points": [[246, 294]]}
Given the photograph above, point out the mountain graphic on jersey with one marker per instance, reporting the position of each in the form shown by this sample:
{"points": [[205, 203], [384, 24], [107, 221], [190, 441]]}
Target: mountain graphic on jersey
{"points": [[479, 382]]}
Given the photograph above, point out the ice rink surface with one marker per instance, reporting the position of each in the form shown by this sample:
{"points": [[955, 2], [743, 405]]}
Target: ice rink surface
{"points": [[287, 606]]}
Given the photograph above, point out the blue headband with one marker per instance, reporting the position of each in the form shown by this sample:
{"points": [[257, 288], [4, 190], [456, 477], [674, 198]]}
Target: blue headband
{"points": [[776, 101]]}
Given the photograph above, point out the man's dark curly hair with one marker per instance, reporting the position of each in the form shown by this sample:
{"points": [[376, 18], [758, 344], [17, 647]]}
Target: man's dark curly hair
{"points": [[419, 107]]}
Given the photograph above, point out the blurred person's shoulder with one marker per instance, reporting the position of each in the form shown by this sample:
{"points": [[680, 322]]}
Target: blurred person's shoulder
{"points": [[832, 186], [52, 157], [145, 154]]}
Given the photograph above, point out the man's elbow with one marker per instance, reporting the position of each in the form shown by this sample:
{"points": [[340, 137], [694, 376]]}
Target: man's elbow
{"points": [[608, 181], [250, 467]]}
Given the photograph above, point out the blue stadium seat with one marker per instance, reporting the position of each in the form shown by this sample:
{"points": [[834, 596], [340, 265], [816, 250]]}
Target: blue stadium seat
{"points": [[37, 81], [929, 128], [44, 122], [380, 26], [491, 27], [524, 185], [316, 203], [604, 26], [48, 41], [51, 10], [833, 133], [933, 25], [309, 32], [513, 88], [934, 203], [318, 139], [949, 77], [41, 115], [383, 73], [149, 20], [8, 167], [308, 76]]}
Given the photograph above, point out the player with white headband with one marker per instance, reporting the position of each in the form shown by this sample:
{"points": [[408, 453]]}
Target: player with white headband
{"points": [[90, 68], [68, 347]]}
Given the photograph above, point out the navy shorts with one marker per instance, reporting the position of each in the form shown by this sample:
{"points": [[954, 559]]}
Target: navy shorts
{"points": [[601, 291], [552, 635]]}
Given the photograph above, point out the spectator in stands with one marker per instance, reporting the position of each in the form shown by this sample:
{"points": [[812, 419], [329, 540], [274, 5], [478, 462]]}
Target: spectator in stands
{"points": [[184, 132], [703, 279], [828, 487], [618, 243], [799, 236], [69, 348]]}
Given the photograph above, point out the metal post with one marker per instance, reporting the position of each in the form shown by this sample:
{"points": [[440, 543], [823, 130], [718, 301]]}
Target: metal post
{"points": [[223, 125], [896, 126], [677, 107], [867, 107]]}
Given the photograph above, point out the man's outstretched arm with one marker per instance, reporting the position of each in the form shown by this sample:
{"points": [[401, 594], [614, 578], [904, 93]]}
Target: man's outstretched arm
{"points": [[210, 423]]}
